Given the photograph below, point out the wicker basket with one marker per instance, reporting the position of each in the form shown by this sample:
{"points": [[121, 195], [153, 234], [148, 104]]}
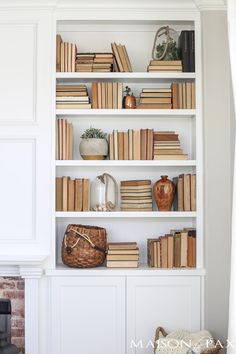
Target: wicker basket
{"points": [[84, 246], [161, 330]]}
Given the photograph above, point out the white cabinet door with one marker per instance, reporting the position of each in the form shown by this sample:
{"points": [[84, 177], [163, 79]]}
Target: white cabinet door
{"points": [[170, 302], [26, 92], [88, 315]]}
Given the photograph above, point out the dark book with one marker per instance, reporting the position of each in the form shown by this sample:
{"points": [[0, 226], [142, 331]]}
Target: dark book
{"points": [[192, 51], [184, 50], [175, 203]]}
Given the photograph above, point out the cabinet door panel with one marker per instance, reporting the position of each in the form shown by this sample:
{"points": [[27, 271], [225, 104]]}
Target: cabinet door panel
{"points": [[88, 315], [25, 134], [170, 302]]}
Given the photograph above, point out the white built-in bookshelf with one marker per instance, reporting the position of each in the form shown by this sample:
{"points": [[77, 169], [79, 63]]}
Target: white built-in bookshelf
{"points": [[138, 36]]}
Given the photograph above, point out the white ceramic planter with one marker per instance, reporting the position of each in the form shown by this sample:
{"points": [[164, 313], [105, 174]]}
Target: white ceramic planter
{"points": [[93, 149]]}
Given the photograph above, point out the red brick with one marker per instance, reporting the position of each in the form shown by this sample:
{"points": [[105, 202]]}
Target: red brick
{"points": [[20, 285], [7, 284], [14, 294], [18, 323], [17, 333]]}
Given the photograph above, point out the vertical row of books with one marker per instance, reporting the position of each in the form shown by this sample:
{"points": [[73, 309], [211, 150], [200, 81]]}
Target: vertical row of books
{"points": [[72, 194], [107, 95], [185, 197], [131, 145], [174, 250], [65, 55], [183, 95], [64, 140]]}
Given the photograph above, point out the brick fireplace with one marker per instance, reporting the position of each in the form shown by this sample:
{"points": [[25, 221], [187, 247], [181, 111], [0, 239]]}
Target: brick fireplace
{"points": [[12, 288]]}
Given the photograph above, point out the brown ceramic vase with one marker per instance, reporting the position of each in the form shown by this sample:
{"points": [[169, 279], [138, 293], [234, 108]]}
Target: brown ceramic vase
{"points": [[129, 102], [164, 193]]}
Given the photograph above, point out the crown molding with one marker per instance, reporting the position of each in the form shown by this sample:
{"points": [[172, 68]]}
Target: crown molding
{"points": [[200, 5], [211, 5]]}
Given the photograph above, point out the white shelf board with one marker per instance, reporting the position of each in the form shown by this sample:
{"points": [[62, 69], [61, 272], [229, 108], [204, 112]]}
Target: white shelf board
{"points": [[126, 214], [125, 163], [142, 270], [127, 76], [127, 112]]}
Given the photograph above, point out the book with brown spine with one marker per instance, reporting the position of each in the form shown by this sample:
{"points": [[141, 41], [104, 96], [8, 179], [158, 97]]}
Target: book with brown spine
{"points": [[114, 95], [59, 194], [119, 95], [177, 249], [71, 195], [193, 192], [126, 146], [117, 57], [120, 145], [95, 95], [164, 251], [111, 147], [180, 187], [170, 251], [86, 194], [130, 134], [78, 194], [175, 92], [109, 96], [65, 181], [62, 57], [187, 192], [122, 245], [143, 134], [136, 145], [184, 249], [58, 52], [122, 264], [116, 148]]}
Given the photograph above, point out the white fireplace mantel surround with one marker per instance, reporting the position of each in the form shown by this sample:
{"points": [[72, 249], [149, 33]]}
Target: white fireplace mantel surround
{"points": [[31, 276]]}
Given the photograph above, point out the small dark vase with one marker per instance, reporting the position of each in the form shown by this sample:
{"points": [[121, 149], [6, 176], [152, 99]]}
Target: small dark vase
{"points": [[164, 193], [129, 102]]}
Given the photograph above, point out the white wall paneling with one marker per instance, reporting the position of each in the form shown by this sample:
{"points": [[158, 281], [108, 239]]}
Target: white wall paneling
{"points": [[25, 134]]}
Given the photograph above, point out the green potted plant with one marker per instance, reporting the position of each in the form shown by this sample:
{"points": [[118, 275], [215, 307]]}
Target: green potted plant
{"points": [[93, 145], [129, 101]]}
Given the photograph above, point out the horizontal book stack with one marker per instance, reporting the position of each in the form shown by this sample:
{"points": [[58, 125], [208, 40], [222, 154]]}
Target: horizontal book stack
{"points": [[107, 95], [131, 145], [72, 195], [72, 97], [123, 255], [94, 62], [174, 250], [183, 95], [185, 197], [136, 195], [165, 65], [121, 58], [167, 146], [64, 140], [65, 55], [187, 50], [155, 98]]}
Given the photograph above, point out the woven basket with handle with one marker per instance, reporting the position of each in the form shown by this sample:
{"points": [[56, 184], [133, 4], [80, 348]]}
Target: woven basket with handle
{"points": [[84, 246], [161, 331]]}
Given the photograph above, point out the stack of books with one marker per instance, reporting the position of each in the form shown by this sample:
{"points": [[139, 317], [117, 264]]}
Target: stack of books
{"points": [[64, 140], [121, 58], [136, 195], [167, 146], [94, 62], [183, 95], [123, 255], [107, 95], [72, 97], [187, 50], [72, 195], [185, 197], [174, 250], [155, 98], [131, 145], [65, 55], [165, 65]]}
